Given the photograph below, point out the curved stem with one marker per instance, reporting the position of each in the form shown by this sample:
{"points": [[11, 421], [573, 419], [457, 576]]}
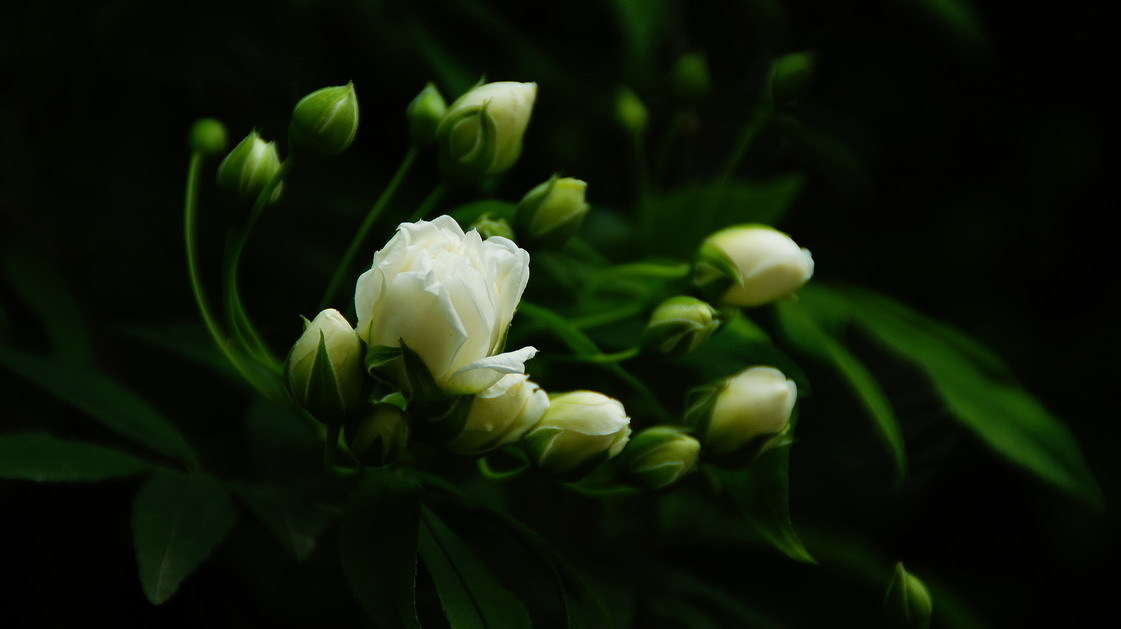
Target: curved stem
{"points": [[429, 202], [367, 224], [759, 119]]}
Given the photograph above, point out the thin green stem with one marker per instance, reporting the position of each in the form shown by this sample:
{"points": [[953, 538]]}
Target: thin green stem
{"points": [[429, 202], [755, 125], [606, 317], [331, 447], [359, 239]]}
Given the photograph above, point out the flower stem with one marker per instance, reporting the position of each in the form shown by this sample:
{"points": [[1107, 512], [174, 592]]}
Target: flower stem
{"points": [[759, 119], [429, 202], [331, 447], [359, 239]]}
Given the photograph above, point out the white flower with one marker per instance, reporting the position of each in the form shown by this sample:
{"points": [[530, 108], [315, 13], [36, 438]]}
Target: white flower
{"points": [[481, 133], [501, 415], [755, 403], [763, 263], [578, 432], [450, 297]]}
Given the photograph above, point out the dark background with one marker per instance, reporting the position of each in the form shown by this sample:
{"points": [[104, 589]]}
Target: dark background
{"points": [[970, 181]]}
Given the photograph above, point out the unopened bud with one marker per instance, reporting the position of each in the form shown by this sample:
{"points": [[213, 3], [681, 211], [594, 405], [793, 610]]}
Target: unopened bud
{"points": [[489, 225], [248, 168], [501, 415], [630, 113], [791, 75], [551, 213], [208, 136], [379, 435], [324, 122], [324, 371], [659, 457], [690, 78], [580, 431], [744, 416], [680, 325], [481, 134], [424, 114], [908, 604], [751, 265]]}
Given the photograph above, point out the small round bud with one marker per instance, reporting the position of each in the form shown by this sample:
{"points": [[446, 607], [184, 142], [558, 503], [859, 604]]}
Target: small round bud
{"points": [[580, 431], [324, 122], [489, 225], [324, 370], [551, 213], [908, 604], [501, 415], [791, 75], [379, 435], [424, 114], [679, 325], [751, 265], [744, 416], [659, 457], [691, 82], [248, 168], [630, 113], [481, 134], [208, 136]]}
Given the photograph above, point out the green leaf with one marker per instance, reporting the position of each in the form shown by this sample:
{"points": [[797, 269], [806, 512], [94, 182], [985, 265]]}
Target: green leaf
{"points": [[378, 543], [806, 333], [761, 492], [471, 595], [292, 517], [997, 409], [40, 286], [44, 458], [177, 519], [185, 340], [738, 344], [103, 399]]}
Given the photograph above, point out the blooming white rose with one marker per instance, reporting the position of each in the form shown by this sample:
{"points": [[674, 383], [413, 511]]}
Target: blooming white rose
{"points": [[755, 403], [502, 414], [763, 263], [450, 296], [481, 133], [578, 432]]}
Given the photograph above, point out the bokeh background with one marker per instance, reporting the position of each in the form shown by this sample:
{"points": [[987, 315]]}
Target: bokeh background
{"points": [[960, 162]]}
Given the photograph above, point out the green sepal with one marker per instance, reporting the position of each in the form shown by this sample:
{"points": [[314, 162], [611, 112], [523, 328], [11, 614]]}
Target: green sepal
{"points": [[325, 400], [503, 464], [537, 442], [441, 427], [419, 386], [714, 272], [699, 403]]}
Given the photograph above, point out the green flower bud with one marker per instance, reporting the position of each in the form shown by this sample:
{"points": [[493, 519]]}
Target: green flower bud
{"points": [[580, 431], [744, 416], [424, 114], [791, 75], [690, 78], [630, 113], [679, 325], [208, 136], [379, 435], [324, 370], [490, 225], [551, 213], [659, 457], [908, 604], [248, 168], [501, 415], [481, 134], [324, 122], [751, 265]]}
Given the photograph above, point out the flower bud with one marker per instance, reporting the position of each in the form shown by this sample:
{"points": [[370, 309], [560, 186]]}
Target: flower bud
{"points": [[791, 75], [679, 325], [489, 225], [579, 431], [630, 113], [324, 122], [659, 457], [690, 78], [908, 604], [751, 265], [744, 416], [208, 136], [551, 213], [501, 415], [481, 134], [424, 114], [379, 435], [324, 371], [248, 168]]}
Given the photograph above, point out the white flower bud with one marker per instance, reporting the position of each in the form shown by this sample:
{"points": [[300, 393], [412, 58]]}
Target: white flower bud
{"points": [[324, 122], [679, 325], [481, 134], [501, 415], [424, 114], [659, 457], [551, 213], [579, 431], [378, 436], [908, 604], [751, 265], [745, 415], [324, 370], [249, 167]]}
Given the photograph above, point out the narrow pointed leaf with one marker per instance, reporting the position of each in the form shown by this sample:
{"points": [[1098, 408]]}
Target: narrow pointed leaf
{"points": [[292, 518], [44, 458], [177, 520], [761, 492], [40, 286]]}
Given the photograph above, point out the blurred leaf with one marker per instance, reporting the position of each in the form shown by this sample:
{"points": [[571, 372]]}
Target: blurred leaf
{"points": [[41, 457], [177, 519], [687, 215], [828, 153], [470, 212], [685, 584], [378, 544], [187, 340], [956, 20], [453, 74], [103, 399], [807, 334], [999, 411], [39, 285], [762, 493], [641, 23], [295, 521], [739, 344], [472, 597]]}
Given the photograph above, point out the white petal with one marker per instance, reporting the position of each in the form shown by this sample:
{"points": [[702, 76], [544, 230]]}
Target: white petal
{"points": [[482, 374]]}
